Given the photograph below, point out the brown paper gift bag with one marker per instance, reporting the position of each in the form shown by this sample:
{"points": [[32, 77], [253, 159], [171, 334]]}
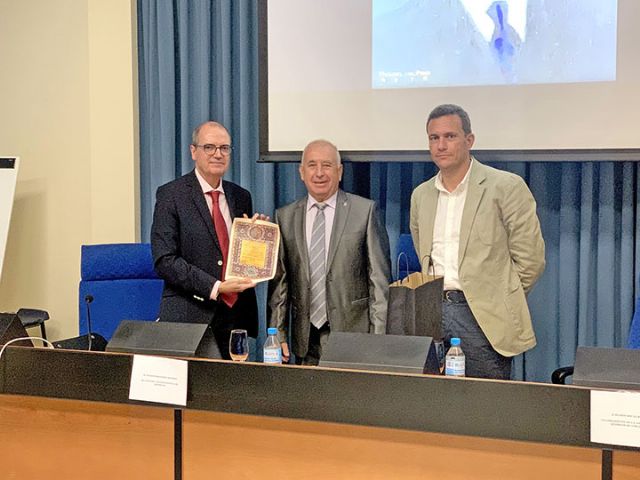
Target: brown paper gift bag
{"points": [[415, 305]]}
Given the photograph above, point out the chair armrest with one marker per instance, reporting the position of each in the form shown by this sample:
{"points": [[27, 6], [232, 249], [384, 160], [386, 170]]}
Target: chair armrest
{"points": [[559, 375]]}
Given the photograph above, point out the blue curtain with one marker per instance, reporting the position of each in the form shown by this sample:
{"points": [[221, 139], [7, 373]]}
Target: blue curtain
{"points": [[198, 60]]}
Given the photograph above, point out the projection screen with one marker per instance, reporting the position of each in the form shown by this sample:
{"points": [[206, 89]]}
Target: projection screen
{"points": [[541, 79]]}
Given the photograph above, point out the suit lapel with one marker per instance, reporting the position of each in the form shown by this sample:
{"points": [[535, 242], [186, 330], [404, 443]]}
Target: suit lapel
{"points": [[339, 222], [299, 225], [231, 201], [201, 205], [471, 204]]}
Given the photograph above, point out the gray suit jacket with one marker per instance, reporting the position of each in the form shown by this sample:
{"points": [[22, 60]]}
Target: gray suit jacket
{"points": [[500, 255], [358, 272]]}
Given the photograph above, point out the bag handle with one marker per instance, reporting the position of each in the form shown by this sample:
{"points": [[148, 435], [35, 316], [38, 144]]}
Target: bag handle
{"points": [[406, 262], [429, 266]]}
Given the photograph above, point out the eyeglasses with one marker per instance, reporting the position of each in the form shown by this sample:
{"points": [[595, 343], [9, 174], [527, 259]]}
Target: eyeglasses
{"points": [[211, 149]]}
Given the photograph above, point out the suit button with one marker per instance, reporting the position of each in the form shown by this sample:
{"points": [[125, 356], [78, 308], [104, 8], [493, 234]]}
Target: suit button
{"points": [[220, 263]]}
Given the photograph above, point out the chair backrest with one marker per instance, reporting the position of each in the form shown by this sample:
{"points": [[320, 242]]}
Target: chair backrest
{"points": [[123, 283], [412, 263]]}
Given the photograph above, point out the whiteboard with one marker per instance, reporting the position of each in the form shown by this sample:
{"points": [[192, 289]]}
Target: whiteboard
{"points": [[8, 177]]}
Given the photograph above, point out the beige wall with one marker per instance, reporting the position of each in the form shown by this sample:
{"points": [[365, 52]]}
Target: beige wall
{"points": [[68, 108]]}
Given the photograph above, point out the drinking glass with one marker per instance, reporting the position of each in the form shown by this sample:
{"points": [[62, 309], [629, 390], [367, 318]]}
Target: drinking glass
{"points": [[440, 353], [238, 346]]}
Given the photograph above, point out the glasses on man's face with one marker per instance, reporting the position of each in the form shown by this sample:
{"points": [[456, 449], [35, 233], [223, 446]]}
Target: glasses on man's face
{"points": [[211, 149]]}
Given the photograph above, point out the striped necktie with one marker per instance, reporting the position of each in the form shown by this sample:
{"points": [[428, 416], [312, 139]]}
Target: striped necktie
{"points": [[317, 262]]}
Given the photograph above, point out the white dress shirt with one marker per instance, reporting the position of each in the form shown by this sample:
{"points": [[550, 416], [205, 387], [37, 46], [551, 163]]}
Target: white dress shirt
{"points": [[222, 200], [446, 230]]}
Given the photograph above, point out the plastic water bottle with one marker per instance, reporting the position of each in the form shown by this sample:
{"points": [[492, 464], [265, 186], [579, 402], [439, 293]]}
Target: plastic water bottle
{"points": [[454, 361], [272, 351]]}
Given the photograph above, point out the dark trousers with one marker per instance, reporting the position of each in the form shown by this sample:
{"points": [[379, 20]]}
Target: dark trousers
{"points": [[224, 321], [481, 360], [318, 339]]}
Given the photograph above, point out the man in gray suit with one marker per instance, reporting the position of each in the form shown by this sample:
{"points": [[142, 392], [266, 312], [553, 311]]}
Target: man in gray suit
{"points": [[479, 227], [333, 268]]}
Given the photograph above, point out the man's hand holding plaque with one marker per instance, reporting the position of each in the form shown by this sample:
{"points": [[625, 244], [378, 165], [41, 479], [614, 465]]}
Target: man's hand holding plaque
{"points": [[253, 249]]}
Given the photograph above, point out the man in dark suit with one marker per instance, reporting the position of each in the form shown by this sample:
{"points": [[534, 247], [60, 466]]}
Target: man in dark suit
{"points": [[190, 237], [333, 268]]}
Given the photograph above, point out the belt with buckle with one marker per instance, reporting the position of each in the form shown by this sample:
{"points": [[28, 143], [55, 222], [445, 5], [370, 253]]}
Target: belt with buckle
{"points": [[453, 296]]}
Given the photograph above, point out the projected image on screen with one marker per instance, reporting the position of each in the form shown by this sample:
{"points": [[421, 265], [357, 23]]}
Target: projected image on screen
{"points": [[424, 43]]}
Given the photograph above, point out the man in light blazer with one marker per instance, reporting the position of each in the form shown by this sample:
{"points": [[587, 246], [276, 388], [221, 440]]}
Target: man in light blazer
{"points": [[188, 242], [353, 256], [479, 227]]}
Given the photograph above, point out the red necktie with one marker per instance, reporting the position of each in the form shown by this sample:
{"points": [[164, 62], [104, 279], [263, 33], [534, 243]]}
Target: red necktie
{"points": [[223, 240]]}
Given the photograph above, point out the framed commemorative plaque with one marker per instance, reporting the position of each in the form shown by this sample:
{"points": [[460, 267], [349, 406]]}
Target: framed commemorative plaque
{"points": [[253, 250]]}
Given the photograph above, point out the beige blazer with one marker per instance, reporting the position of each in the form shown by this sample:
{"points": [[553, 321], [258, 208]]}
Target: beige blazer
{"points": [[501, 251], [358, 272]]}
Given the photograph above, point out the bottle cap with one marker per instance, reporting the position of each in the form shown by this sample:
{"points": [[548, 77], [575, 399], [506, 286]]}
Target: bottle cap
{"points": [[455, 342], [272, 331]]}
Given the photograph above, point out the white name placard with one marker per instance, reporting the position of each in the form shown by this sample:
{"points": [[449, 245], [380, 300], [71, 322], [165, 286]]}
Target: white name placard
{"points": [[615, 417], [159, 380]]}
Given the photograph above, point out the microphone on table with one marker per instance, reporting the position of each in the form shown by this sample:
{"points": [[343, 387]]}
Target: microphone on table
{"points": [[90, 341], [87, 300]]}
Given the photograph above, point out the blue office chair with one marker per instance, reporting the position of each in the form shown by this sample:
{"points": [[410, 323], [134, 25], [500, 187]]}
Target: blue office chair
{"points": [[406, 257], [634, 330], [119, 283], [561, 374]]}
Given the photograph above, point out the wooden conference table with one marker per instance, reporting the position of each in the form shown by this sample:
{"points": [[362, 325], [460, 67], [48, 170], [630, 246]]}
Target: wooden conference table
{"points": [[66, 414]]}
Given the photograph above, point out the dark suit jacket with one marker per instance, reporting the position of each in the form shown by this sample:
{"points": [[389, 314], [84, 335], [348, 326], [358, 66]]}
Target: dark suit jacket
{"points": [[358, 272], [187, 254]]}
